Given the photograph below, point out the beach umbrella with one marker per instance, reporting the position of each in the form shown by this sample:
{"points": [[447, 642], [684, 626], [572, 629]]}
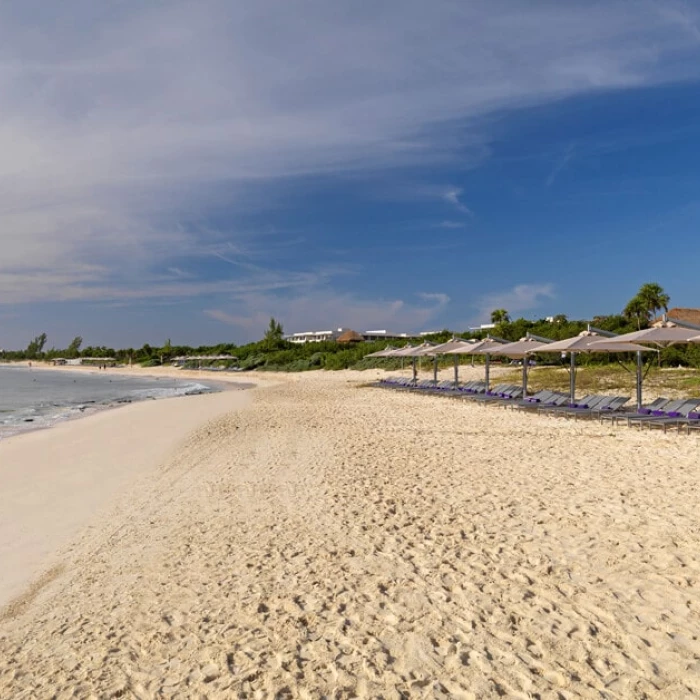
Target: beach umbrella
{"points": [[590, 341], [485, 347], [414, 352], [396, 352], [662, 335], [383, 353], [520, 349], [456, 347]]}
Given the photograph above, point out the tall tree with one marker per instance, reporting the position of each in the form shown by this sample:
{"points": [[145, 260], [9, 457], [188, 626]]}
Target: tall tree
{"points": [[654, 298], [274, 335], [74, 347], [649, 300], [36, 346], [499, 316], [636, 310]]}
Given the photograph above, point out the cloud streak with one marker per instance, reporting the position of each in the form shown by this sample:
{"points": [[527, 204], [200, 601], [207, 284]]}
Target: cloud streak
{"points": [[521, 297], [122, 128], [561, 163]]}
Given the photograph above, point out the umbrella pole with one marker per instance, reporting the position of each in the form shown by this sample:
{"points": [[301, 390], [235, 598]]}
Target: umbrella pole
{"points": [[415, 370], [456, 371], [487, 368], [525, 361], [572, 378], [435, 369], [639, 380]]}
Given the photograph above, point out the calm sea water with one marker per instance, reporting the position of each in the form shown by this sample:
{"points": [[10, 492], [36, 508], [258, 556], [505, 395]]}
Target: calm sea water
{"points": [[38, 398]]}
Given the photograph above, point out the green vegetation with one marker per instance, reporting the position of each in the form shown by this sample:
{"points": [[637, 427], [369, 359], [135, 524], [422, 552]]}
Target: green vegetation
{"points": [[645, 305], [611, 378], [273, 353], [500, 316]]}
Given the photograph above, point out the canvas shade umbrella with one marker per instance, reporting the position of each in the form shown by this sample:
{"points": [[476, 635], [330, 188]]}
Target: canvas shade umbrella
{"points": [[396, 352], [382, 353], [587, 342], [485, 347], [663, 335], [414, 352], [456, 347], [520, 349]]}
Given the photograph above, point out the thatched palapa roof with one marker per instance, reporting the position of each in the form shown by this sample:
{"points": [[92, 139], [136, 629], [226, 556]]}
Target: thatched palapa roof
{"points": [[349, 337], [682, 314]]}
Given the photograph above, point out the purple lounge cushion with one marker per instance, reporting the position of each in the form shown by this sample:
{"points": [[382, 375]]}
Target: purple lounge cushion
{"points": [[694, 416], [674, 414]]}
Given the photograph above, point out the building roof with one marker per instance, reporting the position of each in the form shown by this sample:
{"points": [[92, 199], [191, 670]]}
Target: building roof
{"points": [[681, 314], [349, 336]]}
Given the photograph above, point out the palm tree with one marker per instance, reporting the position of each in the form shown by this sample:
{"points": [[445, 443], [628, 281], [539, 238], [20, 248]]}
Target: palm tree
{"points": [[274, 335], [499, 316], [654, 298], [636, 310]]}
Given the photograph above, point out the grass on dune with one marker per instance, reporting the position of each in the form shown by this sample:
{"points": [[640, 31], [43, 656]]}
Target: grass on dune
{"points": [[605, 379]]}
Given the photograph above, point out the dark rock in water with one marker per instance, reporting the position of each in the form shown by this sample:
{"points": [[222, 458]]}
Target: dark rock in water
{"points": [[28, 420]]}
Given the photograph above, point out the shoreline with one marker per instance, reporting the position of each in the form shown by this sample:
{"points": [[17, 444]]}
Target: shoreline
{"points": [[81, 410], [55, 481]]}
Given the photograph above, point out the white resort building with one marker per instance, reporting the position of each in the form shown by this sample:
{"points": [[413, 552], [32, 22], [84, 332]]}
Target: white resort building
{"points": [[332, 335]]}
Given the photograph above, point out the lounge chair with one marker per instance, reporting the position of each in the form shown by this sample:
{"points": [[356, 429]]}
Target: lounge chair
{"points": [[474, 388], [537, 398], [496, 390], [656, 405], [676, 421], [676, 409], [693, 422], [606, 407], [510, 394], [593, 407], [586, 402], [555, 400]]}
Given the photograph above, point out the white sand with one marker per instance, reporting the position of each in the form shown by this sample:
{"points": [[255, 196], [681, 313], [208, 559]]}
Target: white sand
{"points": [[336, 541], [53, 482]]}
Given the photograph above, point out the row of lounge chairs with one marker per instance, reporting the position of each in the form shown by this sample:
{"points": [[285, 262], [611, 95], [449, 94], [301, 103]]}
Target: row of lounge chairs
{"points": [[663, 413]]}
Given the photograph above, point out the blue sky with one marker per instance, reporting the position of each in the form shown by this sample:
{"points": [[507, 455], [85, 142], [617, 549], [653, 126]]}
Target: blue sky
{"points": [[186, 170]]}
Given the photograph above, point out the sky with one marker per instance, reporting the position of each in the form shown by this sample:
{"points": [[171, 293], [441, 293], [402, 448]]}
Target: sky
{"points": [[186, 170]]}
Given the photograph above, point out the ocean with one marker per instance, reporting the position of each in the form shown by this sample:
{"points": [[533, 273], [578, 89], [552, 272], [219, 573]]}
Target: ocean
{"points": [[31, 398]]}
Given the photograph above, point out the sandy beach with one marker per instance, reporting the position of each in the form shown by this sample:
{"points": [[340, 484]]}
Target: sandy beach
{"points": [[315, 537]]}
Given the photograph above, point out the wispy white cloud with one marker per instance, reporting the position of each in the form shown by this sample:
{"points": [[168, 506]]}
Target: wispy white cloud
{"points": [[123, 127], [452, 196], [685, 14], [441, 300], [561, 163], [521, 297], [450, 224]]}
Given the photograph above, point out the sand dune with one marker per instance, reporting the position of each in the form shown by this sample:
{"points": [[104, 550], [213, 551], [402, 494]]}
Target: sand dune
{"points": [[332, 540]]}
